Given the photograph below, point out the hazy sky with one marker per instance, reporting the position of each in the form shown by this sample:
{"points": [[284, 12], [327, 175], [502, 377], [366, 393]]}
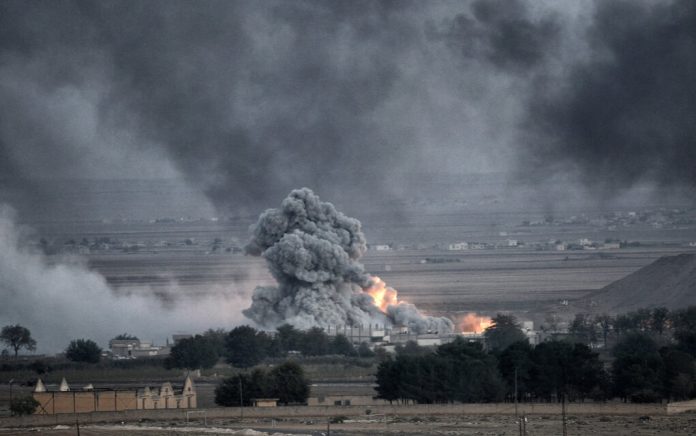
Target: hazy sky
{"points": [[245, 100]]}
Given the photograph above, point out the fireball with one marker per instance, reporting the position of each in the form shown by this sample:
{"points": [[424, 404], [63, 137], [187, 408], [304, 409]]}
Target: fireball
{"points": [[382, 294], [474, 323]]}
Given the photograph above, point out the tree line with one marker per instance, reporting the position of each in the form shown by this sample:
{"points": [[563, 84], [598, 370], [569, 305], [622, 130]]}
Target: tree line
{"points": [[286, 383], [653, 358], [79, 350], [245, 346]]}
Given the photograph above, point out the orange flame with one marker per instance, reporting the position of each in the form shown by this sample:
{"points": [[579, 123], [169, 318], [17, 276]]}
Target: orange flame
{"points": [[382, 294], [473, 323]]}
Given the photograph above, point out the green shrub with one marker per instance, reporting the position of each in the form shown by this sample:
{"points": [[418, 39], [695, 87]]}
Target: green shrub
{"points": [[23, 405]]}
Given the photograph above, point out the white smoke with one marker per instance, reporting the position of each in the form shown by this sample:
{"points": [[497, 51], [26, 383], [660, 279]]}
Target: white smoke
{"points": [[312, 250], [59, 302]]}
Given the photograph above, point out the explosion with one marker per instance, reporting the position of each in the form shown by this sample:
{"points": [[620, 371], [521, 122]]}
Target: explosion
{"points": [[312, 250], [473, 323], [383, 295]]}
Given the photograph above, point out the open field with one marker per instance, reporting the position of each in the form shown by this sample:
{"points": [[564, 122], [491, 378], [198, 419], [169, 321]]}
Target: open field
{"points": [[482, 280], [538, 425], [164, 239]]}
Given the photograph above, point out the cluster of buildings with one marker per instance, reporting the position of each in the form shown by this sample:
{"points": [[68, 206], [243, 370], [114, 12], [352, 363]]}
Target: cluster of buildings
{"points": [[109, 244], [389, 337], [133, 348], [656, 218], [64, 399], [554, 244]]}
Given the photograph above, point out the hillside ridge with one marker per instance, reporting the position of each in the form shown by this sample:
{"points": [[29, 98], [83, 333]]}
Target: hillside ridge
{"points": [[670, 281]]}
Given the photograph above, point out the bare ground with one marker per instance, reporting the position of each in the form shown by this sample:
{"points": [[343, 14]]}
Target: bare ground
{"points": [[684, 424]]}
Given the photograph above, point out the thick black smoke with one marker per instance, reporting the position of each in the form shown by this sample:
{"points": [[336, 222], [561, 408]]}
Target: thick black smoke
{"points": [[625, 113], [229, 92], [504, 33], [312, 250], [246, 98]]}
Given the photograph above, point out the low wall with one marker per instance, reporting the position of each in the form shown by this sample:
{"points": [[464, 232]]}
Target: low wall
{"points": [[326, 411], [681, 407]]}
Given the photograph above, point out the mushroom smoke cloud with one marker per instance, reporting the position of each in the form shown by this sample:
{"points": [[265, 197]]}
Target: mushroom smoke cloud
{"points": [[312, 250]]}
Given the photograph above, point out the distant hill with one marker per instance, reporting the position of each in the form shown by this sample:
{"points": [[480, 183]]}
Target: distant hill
{"points": [[670, 281]]}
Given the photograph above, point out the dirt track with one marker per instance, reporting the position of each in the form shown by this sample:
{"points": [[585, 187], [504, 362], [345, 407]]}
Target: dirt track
{"points": [[466, 425]]}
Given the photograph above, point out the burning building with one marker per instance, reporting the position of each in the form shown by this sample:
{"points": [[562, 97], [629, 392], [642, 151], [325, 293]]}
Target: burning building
{"points": [[313, 252]]}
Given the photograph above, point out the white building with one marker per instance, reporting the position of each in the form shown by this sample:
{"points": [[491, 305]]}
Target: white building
{"points": [[458, 246], [134, 348]]}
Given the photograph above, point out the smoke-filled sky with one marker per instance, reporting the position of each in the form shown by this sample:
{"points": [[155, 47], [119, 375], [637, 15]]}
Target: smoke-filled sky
{"points": [[245, 100], [236, 103]]}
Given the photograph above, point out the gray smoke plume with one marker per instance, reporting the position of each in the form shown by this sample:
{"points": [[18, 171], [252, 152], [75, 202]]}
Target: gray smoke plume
{"points": [[59, 300], [622, 113], [504, 33], [312, 250]]}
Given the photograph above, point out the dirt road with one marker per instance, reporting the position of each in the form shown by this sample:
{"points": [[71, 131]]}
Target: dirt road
{"points": [[684, 424]]}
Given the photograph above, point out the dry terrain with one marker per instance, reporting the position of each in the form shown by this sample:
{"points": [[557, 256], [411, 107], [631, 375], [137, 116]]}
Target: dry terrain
{"points": [[412, 425]]}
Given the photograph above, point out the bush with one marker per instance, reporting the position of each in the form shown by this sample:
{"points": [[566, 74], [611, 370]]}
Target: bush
{"points": [[193, 353], [83, 350], [286, 382], [289, 384], [23, 405]]}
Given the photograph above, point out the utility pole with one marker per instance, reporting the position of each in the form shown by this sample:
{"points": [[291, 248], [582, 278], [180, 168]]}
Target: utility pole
{"points": [[241, 399], [524, 424], [516, 391], [563, 411], [11, 412]]}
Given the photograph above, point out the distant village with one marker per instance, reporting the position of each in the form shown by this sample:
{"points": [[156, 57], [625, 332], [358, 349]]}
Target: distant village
{"points": [[519, 235]]}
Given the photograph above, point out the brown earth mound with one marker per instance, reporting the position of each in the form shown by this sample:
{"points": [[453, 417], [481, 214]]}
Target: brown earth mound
{"points": [[670, 281]]}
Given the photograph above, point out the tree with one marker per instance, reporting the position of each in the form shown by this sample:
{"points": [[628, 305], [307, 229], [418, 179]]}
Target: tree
{"points": [[286, 382], [583, 329], [192, 353], [341, 345], [684, 323], [289, 383], [23, 405], [125, 337], [254, 385], [411, 348], [389, 380], [637, 369], [679, 374], [561, 369], [660, 316], [365, 351], [216, 337], [288, 338], [504, 332], [17, 337], [587, 377], [515, 366], [552, 361], [315, 342], [605, 323], [228, 393], [458, 371], [246, 347], [83, 350]]}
